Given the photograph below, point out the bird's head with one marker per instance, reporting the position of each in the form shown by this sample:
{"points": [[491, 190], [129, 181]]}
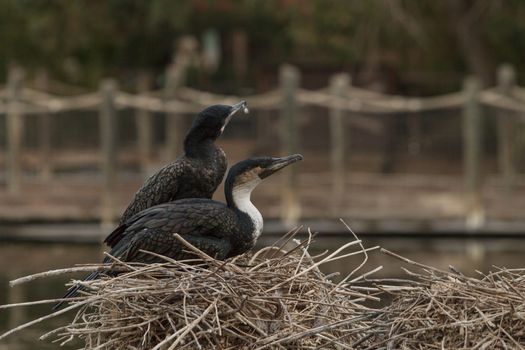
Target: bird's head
{"points": [[211, 122], [247, 174]]}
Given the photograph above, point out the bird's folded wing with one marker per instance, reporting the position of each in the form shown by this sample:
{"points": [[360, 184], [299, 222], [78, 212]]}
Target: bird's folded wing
{"points": [[199, 217], [159, 188]]}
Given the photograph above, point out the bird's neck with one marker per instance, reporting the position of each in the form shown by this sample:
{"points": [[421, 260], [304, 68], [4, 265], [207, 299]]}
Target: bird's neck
{"points": [[239, 199], [196, 146]]}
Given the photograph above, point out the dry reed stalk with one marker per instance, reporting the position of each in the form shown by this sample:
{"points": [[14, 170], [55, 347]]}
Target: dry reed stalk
{"points": [[278, 298], [448, 310], [275, 298]]}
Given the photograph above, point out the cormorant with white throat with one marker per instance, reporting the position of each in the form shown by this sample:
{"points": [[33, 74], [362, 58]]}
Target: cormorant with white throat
{"points": [[219, 230]]}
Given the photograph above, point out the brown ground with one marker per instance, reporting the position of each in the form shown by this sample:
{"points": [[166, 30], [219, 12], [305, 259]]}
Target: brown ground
{"points": [[414, 193]]}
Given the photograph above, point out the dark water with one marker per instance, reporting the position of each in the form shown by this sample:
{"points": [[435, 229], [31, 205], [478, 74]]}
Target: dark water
{"points": [[19, 259]]}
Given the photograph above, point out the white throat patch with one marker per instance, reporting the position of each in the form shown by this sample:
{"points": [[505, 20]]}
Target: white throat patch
{"points": [[241, 198]]}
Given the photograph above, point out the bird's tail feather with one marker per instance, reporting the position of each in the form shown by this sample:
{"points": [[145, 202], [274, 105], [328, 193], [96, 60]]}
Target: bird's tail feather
{"points": [[73, 291]]}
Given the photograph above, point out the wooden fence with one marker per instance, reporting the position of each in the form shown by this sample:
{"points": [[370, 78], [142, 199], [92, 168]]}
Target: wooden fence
{"points": [[341, 98]]}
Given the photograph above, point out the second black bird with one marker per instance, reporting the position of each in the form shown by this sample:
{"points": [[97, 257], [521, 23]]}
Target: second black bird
{"points": [[197, 173]]}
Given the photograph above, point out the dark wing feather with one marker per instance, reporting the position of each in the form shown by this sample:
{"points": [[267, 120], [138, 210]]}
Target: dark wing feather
{"points": [[74, 290], [184, 178], [160, 187], [152, 215], [168, 245], [207, 224]]}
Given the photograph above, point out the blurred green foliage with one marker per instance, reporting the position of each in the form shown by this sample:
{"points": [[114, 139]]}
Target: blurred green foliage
{"points": [[81, 41]]}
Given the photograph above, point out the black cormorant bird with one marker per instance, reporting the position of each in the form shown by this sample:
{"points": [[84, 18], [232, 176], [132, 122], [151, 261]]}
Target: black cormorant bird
{"points": [[220, 230], [198, 172]]}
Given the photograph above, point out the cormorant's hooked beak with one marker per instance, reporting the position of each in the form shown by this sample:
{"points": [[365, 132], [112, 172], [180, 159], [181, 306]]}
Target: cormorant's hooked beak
{"points": [[278, 164], [241, 105], [234, 109]]}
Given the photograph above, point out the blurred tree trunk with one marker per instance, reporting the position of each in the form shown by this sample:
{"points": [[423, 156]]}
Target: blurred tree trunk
{"points": [[466, 18]]}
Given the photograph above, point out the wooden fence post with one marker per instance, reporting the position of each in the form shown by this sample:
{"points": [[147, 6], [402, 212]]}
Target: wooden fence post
{"points": [[506, 128], [174, 132], [175, 77], [240, 54], [144, 127], [14, 128], [44, 136], [472, 151], [289, 79], [108, 139], [338, 85]]}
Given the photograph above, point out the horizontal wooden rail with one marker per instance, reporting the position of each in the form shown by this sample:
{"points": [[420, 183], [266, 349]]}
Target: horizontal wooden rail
{"points": [[186, 100], [348, 107]]}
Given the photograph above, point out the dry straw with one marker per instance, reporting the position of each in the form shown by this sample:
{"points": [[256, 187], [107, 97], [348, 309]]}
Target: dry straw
{"points": [[278, 298], [440, 309]]}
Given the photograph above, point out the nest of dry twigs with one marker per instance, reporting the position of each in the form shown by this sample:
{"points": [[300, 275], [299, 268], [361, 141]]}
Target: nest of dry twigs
{"points": [[272, 299], [278, 298], [439, 309]]}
